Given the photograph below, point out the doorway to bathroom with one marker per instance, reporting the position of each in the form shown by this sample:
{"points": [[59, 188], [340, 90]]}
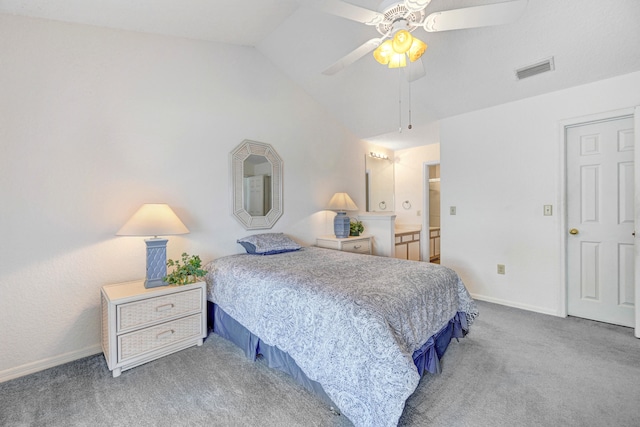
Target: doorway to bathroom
{"points": [[431, 218]]}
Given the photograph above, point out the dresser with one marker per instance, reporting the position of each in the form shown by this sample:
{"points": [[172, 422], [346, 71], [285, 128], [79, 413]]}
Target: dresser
{"points": [[140, 325], [357, 244]]}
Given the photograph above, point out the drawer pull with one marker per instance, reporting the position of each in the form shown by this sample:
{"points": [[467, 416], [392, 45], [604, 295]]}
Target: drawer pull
{"points": [[165, 334], [164, 307], [357, 246]]}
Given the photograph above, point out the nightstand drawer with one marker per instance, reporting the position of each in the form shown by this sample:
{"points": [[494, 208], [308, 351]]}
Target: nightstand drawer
{"points": [[359, 246], [139, 342], [147, 312]]}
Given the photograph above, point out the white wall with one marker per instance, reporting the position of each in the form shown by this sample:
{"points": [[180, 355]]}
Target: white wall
{"points": [[96, 122], [499, 167]]}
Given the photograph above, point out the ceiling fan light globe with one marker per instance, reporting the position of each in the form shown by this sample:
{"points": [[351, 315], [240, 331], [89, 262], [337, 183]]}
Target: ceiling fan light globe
{"points": [[398, 60], [380, 56], [418, 47], [384, 52], [402, 41]]}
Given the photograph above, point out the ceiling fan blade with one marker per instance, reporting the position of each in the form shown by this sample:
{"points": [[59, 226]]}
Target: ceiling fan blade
{"points": [[416, 5], [346, 10], [415, 70], [477, 16], [353, 56]]}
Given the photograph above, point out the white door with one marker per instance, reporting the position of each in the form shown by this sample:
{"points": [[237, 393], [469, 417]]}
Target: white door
{"points": [[600, 221]]}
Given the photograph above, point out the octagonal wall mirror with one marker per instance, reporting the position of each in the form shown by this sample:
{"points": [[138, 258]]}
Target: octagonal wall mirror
{"points": [[256, 181]]}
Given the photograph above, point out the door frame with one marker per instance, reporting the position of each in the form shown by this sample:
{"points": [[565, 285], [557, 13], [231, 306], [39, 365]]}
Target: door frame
{"points": [[563, 211]]}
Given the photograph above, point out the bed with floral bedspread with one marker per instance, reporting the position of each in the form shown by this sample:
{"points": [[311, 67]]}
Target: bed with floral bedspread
{"points": [[351, 322]]}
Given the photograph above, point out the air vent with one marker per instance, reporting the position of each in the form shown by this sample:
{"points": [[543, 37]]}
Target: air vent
{"points": [[538, 68]]}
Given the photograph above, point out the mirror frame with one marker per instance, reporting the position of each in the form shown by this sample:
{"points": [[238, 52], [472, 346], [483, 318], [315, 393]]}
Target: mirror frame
{"points": [[238, 156]]}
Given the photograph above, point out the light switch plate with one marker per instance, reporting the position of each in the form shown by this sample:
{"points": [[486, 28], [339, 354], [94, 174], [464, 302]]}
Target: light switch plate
{"points": [[548, 210], [452, 210]]}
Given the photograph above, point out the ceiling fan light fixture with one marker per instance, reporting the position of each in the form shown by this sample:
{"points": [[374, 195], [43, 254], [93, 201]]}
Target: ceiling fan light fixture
{"points": [[402, 41], [418, 47], [394, 52]]}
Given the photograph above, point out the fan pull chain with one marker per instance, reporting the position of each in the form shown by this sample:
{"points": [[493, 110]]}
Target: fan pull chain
{"points": [[399, 100], [410, 125]]}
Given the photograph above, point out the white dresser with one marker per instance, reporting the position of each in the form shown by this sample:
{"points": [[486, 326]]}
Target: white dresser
{"points": [[357, 244], [140, 325]]}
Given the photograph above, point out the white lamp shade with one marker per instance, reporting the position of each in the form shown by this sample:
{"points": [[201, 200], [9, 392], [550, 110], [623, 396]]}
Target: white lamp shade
{"points": [[342, 202], [153, 219]]}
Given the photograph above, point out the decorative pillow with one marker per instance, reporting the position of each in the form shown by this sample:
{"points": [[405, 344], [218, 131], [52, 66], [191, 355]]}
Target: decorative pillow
{"points": [[268, 244]]}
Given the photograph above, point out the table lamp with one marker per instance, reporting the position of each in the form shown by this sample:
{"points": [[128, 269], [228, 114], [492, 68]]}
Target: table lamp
{"points": [[341, 203], [154, 219]]}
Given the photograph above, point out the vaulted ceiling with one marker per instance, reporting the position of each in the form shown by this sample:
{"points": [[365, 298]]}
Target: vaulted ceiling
{"points": [[465, 70]]}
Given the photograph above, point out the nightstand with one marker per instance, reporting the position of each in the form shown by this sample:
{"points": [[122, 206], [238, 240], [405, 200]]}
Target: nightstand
{"points": [[357, 244], [140, 325]]}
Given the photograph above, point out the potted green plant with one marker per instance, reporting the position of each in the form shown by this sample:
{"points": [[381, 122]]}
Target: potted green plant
{"points": [[189, 271], [355, 228]]}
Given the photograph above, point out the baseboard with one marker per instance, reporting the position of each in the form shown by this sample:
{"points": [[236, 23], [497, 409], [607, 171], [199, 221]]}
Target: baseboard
{"points": [[516, 305], [40, 365]]}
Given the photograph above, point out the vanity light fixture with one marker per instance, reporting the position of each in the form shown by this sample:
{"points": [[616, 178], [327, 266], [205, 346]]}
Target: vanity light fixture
{"points": [[378, 155], [341, 203], [154, 219]]}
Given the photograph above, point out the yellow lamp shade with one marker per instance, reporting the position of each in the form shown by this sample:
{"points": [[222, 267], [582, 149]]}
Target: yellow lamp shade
{"points": [[398, 60], [402, 41], [417, 49], [383, 53]]}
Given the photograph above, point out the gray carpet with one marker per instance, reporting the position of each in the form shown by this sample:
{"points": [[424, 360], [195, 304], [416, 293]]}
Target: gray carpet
{"points": [[516, 368]]}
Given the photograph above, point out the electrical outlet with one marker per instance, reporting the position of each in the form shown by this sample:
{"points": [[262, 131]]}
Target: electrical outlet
{"points": [[501, 269], [452, 210], [548, 210]]}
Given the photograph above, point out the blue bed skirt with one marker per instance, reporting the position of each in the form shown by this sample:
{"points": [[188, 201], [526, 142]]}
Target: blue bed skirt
{"points": [[426, 358]]}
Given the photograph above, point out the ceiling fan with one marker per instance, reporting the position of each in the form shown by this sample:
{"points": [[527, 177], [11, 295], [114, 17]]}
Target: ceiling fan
{"points": [[396, 19]]}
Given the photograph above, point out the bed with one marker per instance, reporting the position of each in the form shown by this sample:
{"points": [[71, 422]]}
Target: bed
{"points": [[357, 330]]}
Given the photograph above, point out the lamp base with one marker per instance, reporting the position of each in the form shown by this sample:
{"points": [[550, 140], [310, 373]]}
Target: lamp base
{"points": [[155, 283], [341, 225], [156, 263]]}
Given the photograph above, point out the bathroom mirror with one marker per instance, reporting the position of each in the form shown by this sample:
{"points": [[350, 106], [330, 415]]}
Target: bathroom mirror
{"points": [[379, 183], [256, 182]]}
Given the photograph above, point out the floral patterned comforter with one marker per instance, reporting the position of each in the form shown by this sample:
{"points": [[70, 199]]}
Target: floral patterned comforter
{"points": [[351, 322]]}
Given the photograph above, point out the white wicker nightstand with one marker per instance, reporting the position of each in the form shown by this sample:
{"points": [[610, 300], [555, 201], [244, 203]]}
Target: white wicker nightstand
{"points": [[140, 325]]}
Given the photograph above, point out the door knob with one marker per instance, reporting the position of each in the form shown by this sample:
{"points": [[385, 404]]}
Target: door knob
{"points": [[573, 231]]}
